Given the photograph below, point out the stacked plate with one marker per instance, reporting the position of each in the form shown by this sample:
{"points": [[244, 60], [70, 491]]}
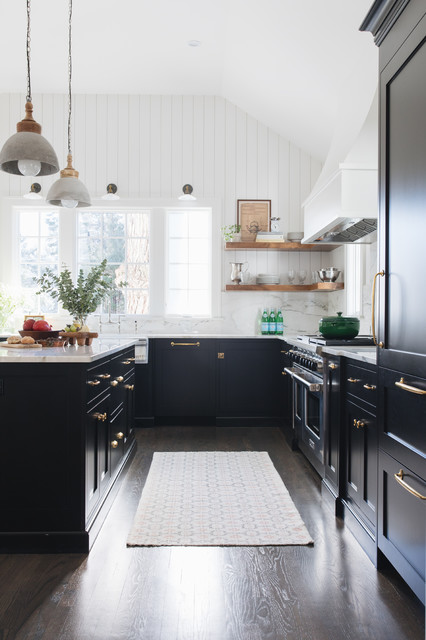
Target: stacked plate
{"points": [[266, 278]]}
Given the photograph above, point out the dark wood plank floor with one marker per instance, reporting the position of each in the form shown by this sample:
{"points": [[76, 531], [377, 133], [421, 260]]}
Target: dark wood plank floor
{"points": [[330, 591]]}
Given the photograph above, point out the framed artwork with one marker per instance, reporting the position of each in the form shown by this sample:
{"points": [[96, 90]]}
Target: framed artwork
{"points": [[33, 317], [253, 216]]}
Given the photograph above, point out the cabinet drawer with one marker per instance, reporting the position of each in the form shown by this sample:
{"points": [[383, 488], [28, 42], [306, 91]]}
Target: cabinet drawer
{"points": [[97, 380], [403, 420], [401, 522], [361, 383]]}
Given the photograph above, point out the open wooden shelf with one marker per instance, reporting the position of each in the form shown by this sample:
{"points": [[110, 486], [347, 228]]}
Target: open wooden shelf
{"points": [[278, 246], [317, 286]]}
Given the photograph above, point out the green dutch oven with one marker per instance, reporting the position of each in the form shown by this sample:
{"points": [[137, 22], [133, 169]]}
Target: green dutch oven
{"points": [[339, 326]]}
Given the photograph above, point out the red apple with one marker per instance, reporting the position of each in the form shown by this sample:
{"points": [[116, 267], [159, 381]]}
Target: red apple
{"points": [[41, 325], [28, 324]]}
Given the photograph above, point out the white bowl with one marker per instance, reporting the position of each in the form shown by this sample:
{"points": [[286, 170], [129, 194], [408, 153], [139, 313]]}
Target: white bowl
{"points": [[295, 236]]}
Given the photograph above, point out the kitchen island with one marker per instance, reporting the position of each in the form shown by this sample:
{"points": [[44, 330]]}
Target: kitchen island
{"points": [[67, 423]]}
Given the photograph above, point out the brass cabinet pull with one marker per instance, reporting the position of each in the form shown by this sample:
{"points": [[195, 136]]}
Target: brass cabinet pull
{"points": [[354, 422], [369, 387], [332, 365], [105, 376], [94, 383], [126, 362], [360, 424], [283, 373], [373, 309], [101, 417], [221, 356], [354, 380], [131, 359], [185, 344], [114, 444], [408, 387], [114, 383], [119, 435], [119, 378], [130, 387], [285, 352], [399, 477]]}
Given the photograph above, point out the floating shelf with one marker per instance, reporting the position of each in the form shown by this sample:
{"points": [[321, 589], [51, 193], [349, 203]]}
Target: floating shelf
{"points": [[278, 246], [317, 286]]}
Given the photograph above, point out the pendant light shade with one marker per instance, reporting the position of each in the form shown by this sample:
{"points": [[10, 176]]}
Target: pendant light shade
{"points": [[27, 152], [69, 191]]}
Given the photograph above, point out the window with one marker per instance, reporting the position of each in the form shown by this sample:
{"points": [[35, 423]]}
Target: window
{"points": [[38, 250], [188, 263], [122, 237]]}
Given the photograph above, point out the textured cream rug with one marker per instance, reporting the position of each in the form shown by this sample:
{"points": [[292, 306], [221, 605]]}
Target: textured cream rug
{"points": [[216, 498]]}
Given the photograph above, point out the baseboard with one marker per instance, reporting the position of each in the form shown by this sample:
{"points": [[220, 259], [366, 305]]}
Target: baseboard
{"points": [[251, 421], [364, 535], [45, 542], [330, 498], [145, 422]]}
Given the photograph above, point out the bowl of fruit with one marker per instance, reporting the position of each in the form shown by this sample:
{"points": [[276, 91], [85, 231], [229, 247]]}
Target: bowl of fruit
{"points": [[38, 329], [78, 334]]}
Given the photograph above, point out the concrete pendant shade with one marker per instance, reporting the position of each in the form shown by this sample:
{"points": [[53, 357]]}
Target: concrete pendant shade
{"points": [[28, 144], [68, 187]]}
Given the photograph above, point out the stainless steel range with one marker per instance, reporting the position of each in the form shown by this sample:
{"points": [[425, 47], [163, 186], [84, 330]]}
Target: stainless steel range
{"points": [[308, 422]]}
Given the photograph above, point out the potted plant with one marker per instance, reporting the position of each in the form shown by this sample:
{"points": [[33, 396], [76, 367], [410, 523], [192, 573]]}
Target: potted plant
{"points": [[231, 232], [82, 298]]}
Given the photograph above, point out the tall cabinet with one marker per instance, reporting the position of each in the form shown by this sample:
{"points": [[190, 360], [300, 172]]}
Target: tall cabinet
{"points": [[399, 29]]}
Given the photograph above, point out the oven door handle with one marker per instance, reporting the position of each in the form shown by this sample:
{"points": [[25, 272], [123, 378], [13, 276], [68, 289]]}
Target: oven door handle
{"points": [[312, 386]]}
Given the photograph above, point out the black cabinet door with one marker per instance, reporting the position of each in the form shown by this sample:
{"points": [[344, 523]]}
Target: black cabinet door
{"points": [[361, 461], [332, 421], [250, 378], [402, 326], [185, 377], [401, 523], [97, 452]]}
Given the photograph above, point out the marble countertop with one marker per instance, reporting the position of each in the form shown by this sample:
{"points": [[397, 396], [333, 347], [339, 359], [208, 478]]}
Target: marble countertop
{"points": [[99, 348]]}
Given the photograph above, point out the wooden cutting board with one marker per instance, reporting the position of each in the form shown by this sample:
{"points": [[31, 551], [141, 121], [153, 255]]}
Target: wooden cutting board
{"points": [[20, 346]]}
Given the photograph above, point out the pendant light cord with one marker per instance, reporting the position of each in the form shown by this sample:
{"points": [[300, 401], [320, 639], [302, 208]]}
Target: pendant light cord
{"points": [[69, 74], [28, 98]]}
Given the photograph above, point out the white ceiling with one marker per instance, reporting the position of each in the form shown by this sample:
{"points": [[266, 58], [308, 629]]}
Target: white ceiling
{"points": [[285, 62]]}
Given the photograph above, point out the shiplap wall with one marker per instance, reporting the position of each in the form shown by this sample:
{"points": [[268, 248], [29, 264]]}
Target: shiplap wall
{"points": [[150, 146]]}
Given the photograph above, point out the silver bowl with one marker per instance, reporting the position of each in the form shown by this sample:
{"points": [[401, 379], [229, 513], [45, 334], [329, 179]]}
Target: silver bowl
{"points": [[328, 275]]}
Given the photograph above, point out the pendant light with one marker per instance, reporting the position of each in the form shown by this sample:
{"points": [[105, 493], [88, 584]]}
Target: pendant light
{"points": [[69, 191], [27, 152]]}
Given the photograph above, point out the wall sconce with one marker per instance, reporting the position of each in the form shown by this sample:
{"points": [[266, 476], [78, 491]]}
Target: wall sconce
{"points": [[34, 192], [111, 193], [187, 193]]}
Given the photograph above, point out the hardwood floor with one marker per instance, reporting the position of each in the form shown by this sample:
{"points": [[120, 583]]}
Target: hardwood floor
{"points": [[330, 591]]}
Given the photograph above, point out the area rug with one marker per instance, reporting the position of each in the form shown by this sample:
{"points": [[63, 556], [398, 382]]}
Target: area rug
{"points": [[216, 498]]}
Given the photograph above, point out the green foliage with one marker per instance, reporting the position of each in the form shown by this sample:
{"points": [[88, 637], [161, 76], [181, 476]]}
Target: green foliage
{"points": [[230, 230], [8, 305], [85, 296]]}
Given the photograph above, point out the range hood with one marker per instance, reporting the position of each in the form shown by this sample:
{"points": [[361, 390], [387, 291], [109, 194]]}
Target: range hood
{"points": [[343, 205], [345, 209]]}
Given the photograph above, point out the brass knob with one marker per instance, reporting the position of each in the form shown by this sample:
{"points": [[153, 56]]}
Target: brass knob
{"points": [[120, 435], [120, 378], [105, 376], [113, 383], [94, 383], [360, 424], [114, 444], [354, 422], [100, 416], [130, 387], [283, 373], [332, 365]]}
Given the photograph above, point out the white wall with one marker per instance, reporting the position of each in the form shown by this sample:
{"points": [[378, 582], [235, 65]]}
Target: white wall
{"points": [[150, 146]]}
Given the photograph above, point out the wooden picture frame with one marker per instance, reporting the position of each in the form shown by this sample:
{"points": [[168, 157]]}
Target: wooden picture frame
{"points": [[253, 216], [33, 316]]}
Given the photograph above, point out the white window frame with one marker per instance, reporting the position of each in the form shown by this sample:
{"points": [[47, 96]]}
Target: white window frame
{"points": [[9, 230]]}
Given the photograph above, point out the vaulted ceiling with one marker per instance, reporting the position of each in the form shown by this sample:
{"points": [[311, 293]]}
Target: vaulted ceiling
{"points": [[285, 62]]}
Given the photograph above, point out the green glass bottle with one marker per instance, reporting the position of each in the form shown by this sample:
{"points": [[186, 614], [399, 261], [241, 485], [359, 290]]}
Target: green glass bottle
{"points": [[272, 323], [280, 323], [264, 325]]}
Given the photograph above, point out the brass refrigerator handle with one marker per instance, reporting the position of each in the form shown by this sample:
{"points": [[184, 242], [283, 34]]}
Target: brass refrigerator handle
{"points": [[408, 387], [399, 477], [373, 305], [185, 344]]}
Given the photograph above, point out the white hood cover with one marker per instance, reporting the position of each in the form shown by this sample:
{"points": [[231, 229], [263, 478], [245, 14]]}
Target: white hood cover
{"points": [[343, 206]]}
